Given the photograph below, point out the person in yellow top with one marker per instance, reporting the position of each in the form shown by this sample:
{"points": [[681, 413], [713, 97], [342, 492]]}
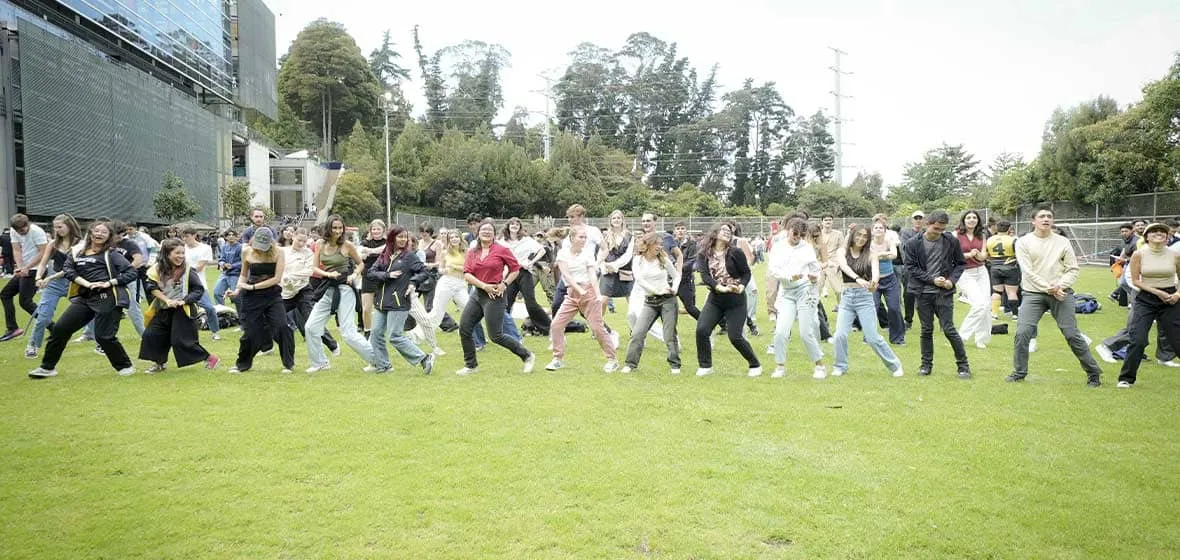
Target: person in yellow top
{"points": [[1048, 268], [1005, 271]]}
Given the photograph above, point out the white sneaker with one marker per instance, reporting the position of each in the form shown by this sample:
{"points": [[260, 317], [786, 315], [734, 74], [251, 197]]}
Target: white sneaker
{"points": [[981, 346], [611, 366], [267, 352], [1169, 363], [675, 371], [1087, 339], [41, 373], [626, 369], [439, 352], [614, 339], [779, 373], [126, 371], [284, 370], [1105, 353], [30, 352], [820, 372], [467, 371], [898, 372], [84, 338], [555, 365], [530, 363], [1032, 345], [701, 372], [321, 367], [236, 370], [1124, 385], [370, 368], [216, 336], [336, 352], [836, 372], [754, 372], [770, 349]]}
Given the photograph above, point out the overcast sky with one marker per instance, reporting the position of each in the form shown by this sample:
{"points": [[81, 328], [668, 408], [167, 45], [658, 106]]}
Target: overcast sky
{"points": [[923, 71]]}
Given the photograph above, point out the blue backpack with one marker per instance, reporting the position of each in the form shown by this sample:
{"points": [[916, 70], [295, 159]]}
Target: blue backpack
{"points": [[1086, 303]]}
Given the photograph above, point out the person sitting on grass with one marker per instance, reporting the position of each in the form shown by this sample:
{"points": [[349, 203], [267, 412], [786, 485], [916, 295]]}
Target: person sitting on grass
{"points": [[172, 315]]}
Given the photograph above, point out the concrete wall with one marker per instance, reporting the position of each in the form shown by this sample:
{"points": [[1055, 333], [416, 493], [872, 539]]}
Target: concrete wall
{"points": [[258, 172]]}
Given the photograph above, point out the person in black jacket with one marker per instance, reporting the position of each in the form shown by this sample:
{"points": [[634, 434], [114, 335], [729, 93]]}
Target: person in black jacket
{"points": [[687, 292], [934, 262], [396, 275], [173, 292], [103, 275], [724, 269]]}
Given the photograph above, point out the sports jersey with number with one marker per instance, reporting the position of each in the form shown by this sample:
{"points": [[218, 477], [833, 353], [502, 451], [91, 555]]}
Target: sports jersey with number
{"points": [[1001, 249]]}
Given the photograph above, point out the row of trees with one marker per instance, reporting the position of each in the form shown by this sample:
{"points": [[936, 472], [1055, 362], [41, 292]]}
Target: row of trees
{"points": [[639, 126]]}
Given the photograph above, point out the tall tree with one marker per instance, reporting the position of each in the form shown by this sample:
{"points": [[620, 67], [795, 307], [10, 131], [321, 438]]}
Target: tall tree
{"points": [[945, 173], [384, 63], [433, 87], [325, 79]]}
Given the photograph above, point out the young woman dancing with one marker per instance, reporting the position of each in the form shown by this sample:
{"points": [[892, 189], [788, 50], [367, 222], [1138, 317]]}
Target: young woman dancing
{"points": [[659, 278], [483, 268], [298, 294], [171, 318], [264, 319], [103, 275], [579, 271], [527, 252], [725, 270], [396, 273], [371, 247], [51, 278], [860, 272], [975, 283], [793, 275], [335, 259]]}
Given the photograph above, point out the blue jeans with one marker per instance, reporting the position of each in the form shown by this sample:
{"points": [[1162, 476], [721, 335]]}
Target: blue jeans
{"points": [[51, 294], [224, 284], [395, 322], [210, 313], [797, 303], [889, 289], [318, 319], [858, 303]]}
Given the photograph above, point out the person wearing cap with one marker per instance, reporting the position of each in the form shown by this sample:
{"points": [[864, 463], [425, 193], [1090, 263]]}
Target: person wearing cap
{"points": [[917, 226], [1048, 270], [1154, 274], [263, 316], [173, 290]]}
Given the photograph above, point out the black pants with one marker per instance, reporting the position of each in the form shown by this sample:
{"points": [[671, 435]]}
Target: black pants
{"points": [[26, 286], [106, 332], [1149, 309], [687, 292], [491, 311], [825, 329], [942, 306], [733, 308], [299, 308], [264, 320], [525, 285], [172, 329]]}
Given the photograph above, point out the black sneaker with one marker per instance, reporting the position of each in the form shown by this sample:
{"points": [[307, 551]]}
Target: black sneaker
{"points": [[1093, 383], [1014, 378], [909, 325], [965, 373], [924, 371]]}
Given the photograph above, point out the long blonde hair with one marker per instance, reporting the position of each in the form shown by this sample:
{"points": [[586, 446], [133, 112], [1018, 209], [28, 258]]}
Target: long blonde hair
{"points": [[614, 238], [655, 238]]}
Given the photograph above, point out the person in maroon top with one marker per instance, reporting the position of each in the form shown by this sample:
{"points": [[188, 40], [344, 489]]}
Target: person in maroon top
{"points": [[484, 268], [975, 284]]}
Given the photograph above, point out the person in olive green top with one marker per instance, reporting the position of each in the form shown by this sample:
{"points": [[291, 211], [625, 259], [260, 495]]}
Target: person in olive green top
{"points": [[336, 261]]}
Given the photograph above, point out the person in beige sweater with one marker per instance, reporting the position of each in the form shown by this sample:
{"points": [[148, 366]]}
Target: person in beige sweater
{"points": [[1048, 268]]}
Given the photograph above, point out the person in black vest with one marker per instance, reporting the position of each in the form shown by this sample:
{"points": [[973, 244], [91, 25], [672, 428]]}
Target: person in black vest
{"points": [[103, 275], [934, 264]]}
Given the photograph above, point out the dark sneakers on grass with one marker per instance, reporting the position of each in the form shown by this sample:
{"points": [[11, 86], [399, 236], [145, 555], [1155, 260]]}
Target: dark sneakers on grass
{"points": [[965, 373], [924, 371], [1093, 383], [1014, 378]]}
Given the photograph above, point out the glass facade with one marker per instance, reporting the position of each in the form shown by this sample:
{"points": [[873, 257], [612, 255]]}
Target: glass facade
{"points": [[192, 36]]}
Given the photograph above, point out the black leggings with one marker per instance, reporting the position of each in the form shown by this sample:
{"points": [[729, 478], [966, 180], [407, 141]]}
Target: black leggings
{"points": [[106, 333], [733, 308], [525, 285], [491, 310]]}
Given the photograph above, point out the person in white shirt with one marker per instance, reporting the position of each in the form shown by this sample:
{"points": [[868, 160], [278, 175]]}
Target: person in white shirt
{"points": [[577, 217], [199, 255], [527, 252], [792, 271], [657, 279], [298, 295], [579, 271], [28, 242]]}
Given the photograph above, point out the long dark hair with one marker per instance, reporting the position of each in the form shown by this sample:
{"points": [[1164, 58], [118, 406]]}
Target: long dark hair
{"points": [[73, 230], [391, 244], [978, 231], [327, 229], [507, 235], [711, 238], [163, 265], [862, 265]]}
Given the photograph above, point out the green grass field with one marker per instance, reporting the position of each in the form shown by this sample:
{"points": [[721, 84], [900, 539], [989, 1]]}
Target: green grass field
{"points": [[578, 463]]}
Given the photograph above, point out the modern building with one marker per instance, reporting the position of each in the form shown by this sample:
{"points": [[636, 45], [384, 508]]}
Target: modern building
{"points": [[99, 98]]}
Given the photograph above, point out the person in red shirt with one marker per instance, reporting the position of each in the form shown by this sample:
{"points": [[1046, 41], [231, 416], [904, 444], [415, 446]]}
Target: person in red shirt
{"points": [[975, 283], [484, 268]]}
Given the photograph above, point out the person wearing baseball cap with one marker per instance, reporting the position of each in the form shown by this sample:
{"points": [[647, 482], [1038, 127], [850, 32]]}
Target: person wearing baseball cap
{"points": [[1153, 273], [263, 317]]}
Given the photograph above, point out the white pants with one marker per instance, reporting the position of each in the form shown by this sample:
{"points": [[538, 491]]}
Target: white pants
{"points": [[977, 287], [447, 289]]}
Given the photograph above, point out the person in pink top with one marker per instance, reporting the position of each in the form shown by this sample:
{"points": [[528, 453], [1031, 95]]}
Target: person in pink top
{"points": [[579, 271], [484, 268]]}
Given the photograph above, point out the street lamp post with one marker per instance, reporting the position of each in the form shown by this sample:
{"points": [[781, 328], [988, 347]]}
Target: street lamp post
{"points": [[388, 197]]}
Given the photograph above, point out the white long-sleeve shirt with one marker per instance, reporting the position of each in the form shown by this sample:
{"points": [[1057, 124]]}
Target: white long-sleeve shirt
{"points": [[580, 267], [521, 248], [1045, 261], [297, 271], [655, 278], [786, 261]]}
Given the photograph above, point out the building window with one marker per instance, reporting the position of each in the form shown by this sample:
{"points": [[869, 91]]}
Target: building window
{"points": [[286, 176]]}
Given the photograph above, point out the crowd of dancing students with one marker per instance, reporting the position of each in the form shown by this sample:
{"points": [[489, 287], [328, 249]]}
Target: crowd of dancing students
{"points": [[296, 281]]}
